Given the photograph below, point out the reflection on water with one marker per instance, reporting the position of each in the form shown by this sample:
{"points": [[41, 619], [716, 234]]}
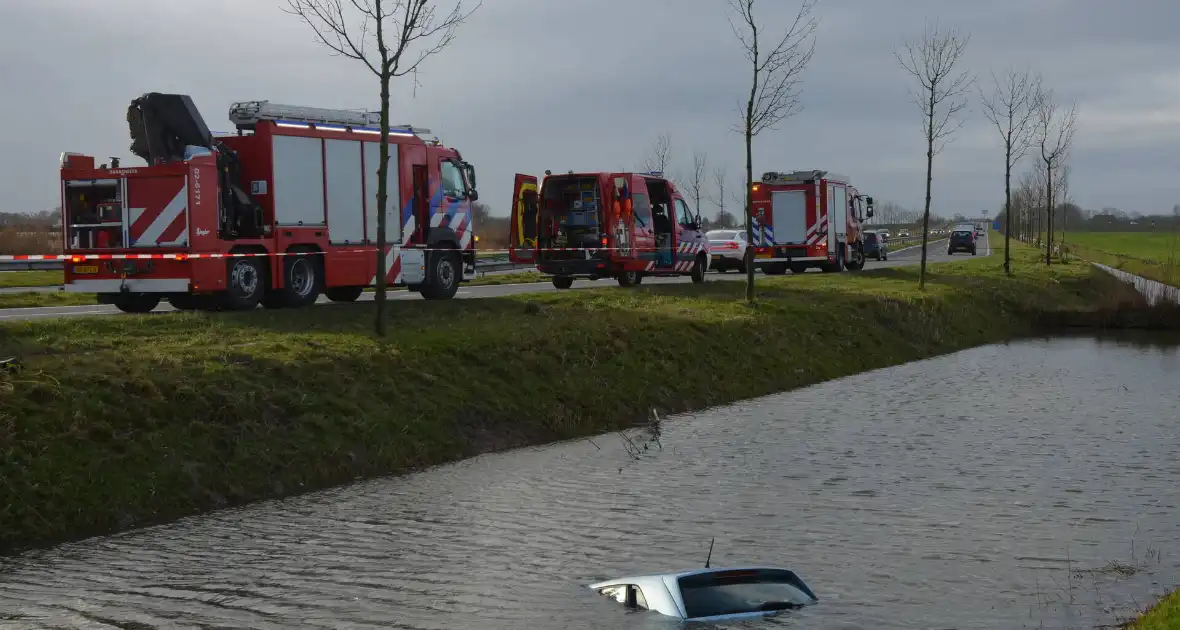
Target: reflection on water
{"points": [[1027, 485]]}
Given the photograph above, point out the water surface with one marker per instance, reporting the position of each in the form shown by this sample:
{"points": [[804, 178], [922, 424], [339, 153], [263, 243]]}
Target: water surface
{"points": [[1032, 485]]}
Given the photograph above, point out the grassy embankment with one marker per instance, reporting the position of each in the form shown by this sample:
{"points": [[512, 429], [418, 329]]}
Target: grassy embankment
{"points": [[1152, 255], [1165, 615], [114, 422], [40, 299]]}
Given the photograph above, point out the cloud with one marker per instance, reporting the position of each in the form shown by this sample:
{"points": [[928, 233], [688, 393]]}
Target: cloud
{"points": [[531, 84]]}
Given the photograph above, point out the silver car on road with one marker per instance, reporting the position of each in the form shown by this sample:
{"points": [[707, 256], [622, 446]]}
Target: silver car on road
{"points": [[728, 249], [712, 594]]}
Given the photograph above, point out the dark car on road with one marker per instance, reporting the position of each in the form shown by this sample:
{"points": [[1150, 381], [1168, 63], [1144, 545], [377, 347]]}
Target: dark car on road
{"points": [[961, 240], [876, 246]]}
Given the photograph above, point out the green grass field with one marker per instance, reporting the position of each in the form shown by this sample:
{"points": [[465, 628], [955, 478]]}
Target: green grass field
{"points": [[1154, 255], [118, 421]]}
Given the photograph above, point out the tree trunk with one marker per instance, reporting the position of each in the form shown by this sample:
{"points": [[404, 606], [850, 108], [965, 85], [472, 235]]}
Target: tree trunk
{"points": [[1007, 207], [382, 203], [929, 185], [749, 211], [1048, 213]]}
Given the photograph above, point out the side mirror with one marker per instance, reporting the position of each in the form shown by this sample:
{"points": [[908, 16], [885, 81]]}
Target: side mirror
{"points": [[473, 195], [470, 172], [869, 212]]}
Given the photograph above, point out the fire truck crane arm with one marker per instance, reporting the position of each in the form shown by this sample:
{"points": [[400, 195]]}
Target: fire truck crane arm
{"points": [[162, 125]]}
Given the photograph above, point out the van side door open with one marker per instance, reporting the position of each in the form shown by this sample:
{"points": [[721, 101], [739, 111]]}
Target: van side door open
{"points": [[644, 237]]}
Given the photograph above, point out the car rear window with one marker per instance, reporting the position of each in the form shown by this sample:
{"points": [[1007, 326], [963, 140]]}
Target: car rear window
{"points": [[870, 237], [962, 234], [742, 591], [722, 236]]}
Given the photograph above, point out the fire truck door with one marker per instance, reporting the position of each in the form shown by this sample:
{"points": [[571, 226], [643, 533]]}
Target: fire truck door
{"points": [[421, 208]]}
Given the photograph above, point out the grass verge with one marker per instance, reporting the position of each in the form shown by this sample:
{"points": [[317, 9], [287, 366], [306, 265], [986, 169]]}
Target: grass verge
{"points": [[48, 278], [115, 422], [1165, 615], [41, 299]]}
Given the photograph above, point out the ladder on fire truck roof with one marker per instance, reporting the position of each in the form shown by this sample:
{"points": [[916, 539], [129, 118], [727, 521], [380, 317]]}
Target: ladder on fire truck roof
{"points": [[246, 114], [801, 177]]}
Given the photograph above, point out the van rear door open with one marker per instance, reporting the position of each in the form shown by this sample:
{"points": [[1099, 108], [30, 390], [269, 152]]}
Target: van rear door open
{"points": [[522, 241]]}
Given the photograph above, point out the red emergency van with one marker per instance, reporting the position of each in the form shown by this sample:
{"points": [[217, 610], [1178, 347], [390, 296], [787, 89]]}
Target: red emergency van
{"points": [[606, 225]]}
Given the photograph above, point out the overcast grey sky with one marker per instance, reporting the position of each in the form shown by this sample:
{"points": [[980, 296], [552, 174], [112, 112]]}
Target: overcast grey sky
{"points": [[536, 84]]}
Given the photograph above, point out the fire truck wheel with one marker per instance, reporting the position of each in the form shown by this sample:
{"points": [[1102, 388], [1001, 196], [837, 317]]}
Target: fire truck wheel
{"points": [[776, 269], [563, 282], [798, 268], [629, 278], [301, 283], [136, 302], [244, 284], [443, 280], [700, 269], [344, 294], [858, 260]]}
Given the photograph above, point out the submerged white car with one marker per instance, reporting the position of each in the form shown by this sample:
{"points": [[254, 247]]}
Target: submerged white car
{"points": [[712, 594]]}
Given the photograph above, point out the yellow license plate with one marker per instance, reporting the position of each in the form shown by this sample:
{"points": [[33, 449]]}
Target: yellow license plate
{"points": [[85, 268], [716, 256], [763, 255]]}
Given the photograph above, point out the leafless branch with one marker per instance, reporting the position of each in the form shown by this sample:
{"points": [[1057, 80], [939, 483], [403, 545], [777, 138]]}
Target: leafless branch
{"points": [[941, 89], [720, 179], [777, 67], [379, 33], [1054, 126], [1009, 107], [696, 178], [659, 155]]}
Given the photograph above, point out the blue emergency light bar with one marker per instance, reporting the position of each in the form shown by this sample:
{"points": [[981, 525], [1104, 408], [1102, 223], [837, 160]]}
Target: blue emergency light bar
{"points": [[399, 131]]}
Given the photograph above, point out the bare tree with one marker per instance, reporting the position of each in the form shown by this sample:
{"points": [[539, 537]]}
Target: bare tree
{"points": [[1010, 108], [696, 178], [1055, 128], [392, 38], [940, 96], [720, 179], [776, 71], [659, 155]]}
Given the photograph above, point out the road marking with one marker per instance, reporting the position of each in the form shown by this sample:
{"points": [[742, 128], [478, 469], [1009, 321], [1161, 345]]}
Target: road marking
{"points": [[928, 244]]}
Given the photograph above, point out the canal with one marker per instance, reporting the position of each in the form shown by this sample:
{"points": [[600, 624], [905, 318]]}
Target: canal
{"points": [[1034, 484]]}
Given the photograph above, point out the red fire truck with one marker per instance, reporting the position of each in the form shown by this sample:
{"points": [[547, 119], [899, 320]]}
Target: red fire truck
{"points": [[278, 213], [807, 219], [606, 225]]}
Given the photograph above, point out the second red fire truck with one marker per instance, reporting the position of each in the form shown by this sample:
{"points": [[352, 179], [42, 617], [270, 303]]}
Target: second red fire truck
{"points": [[277, 214], [806, 219]]}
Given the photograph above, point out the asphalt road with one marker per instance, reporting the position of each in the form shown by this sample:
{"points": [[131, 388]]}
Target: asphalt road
{"points": [[936, 252]]}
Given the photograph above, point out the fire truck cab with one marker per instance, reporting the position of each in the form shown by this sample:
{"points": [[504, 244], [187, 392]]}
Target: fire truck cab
{"points": [[278, 213], [807, 219], [606, 225]]}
